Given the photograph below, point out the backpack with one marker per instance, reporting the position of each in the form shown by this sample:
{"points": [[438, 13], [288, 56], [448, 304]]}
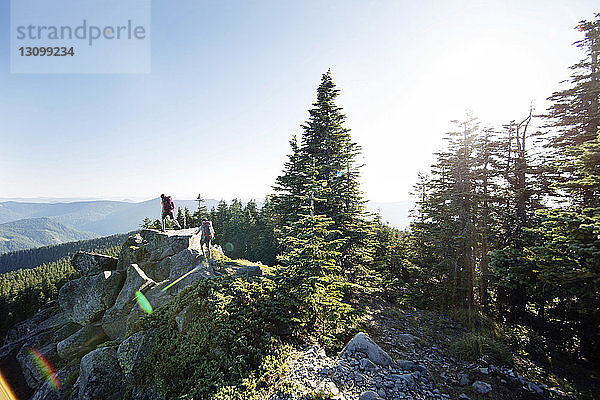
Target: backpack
{"points": [[168, 204], [207, 230]]}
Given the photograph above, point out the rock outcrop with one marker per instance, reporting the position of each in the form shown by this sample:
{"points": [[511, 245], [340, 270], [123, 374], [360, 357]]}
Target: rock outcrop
{"points": [[42, 331], [364, 371], [48, 390], [100, 376], [28, 359], [81, 342], [83, 300], [99, 306], [131, 354], [91, 263], [114, 321]]}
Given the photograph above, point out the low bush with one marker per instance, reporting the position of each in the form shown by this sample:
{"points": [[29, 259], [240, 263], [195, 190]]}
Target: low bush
{"points": [[235, 327], [473, 347]]}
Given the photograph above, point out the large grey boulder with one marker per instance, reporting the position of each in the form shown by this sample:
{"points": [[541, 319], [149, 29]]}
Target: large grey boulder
{"points": [[369, 395], [100, 376], [81, 342], [92, 263], [362, 345], [35, 324], [114, 320], [133, 251], [29, 358], [65, 378], [183, 262], [191, 264], [66, 330], [83, 300], [49, 321], [164, 244], [157, 295], [155, 252], [161, 270], [131, 354]]}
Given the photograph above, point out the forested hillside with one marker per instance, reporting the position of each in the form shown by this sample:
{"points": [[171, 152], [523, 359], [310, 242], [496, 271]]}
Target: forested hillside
{"points": [[36, 232], [31, 258]]}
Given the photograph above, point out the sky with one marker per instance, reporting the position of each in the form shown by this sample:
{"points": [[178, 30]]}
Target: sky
{"points": [[231, 81]]}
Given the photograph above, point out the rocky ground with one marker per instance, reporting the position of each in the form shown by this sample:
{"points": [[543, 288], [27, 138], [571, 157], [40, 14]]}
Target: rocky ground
{"points": [[416, 365]]}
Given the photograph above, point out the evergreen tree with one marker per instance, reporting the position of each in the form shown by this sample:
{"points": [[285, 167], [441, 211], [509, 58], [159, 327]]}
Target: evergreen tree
{"points": [[181, 218], [268, 247], [289, 187], [191, 221], [326, 148], [310, 272], [584, 180], [566, 256], [201, 213], [447, 219], [575, 115], [219, 218]]}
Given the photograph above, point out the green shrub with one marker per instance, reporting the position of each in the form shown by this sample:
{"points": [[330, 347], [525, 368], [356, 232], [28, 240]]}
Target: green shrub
{"points": [[472, 347], [477, 322], [262, 383], [235, 328]]}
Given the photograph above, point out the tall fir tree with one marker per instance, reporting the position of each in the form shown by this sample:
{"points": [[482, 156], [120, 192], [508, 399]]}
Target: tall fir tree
{"points": [[327, 148], [310, 272], [575, 116]]}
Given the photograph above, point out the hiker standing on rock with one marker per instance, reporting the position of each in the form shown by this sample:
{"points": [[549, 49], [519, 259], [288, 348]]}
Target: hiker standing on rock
{"points": [[167, 211], [207, 234]]}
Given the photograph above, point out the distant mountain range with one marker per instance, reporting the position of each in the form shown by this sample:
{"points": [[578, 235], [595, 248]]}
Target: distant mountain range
{"points": [[36, 232], [102, 217], [87, 219]]}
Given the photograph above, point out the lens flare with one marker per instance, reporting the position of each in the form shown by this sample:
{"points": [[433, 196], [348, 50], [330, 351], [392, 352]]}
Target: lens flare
{"points": [[5, 392], [45, 367], [143, 302], [181, 277], [229, 246]]}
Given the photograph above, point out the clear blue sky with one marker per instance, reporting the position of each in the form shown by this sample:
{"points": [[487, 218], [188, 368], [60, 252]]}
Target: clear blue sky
{"points": [[231, 81]]}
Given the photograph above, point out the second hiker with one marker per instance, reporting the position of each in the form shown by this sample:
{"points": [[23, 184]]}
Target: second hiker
{"points": [[207, 234], [167, 211]]}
